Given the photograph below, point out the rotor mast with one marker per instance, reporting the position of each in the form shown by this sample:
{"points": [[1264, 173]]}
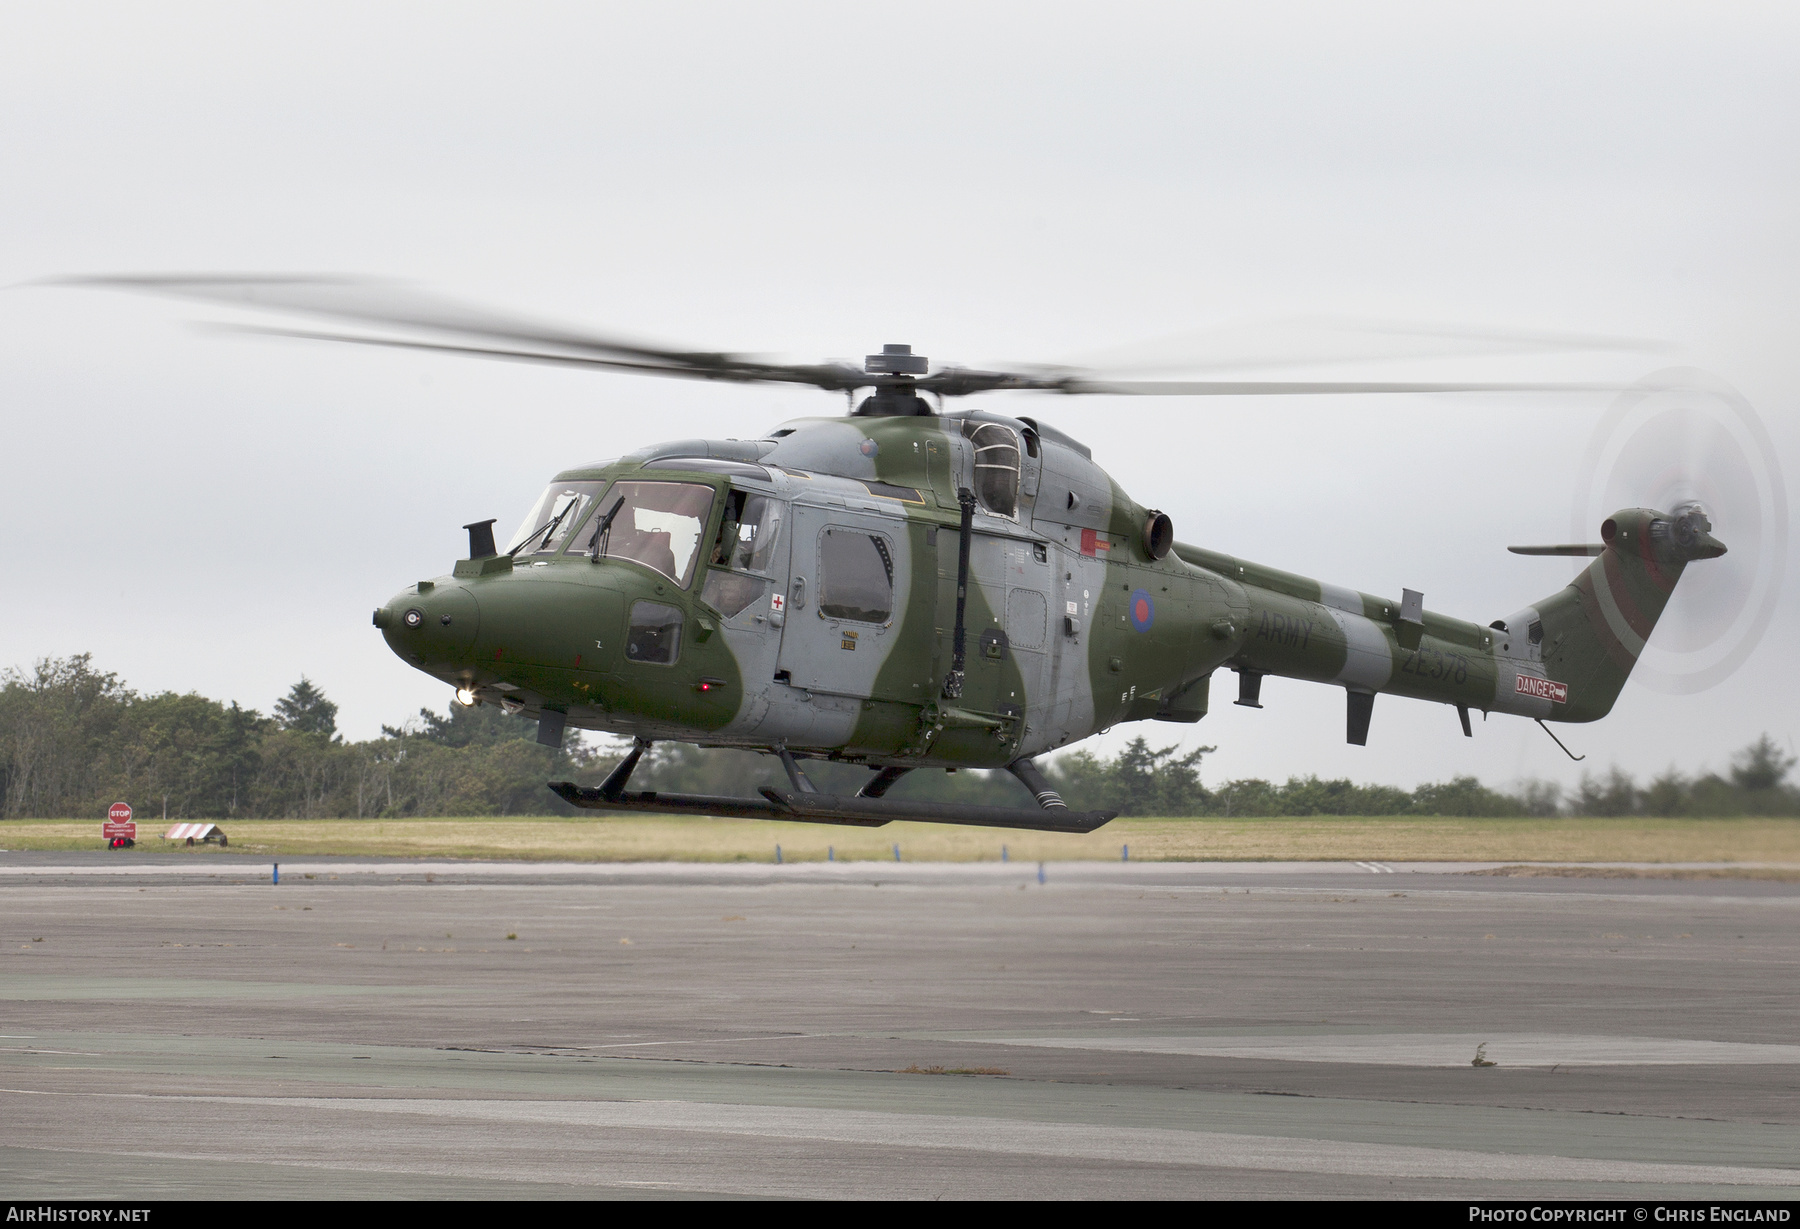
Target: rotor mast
{"points": [[894, 371]]}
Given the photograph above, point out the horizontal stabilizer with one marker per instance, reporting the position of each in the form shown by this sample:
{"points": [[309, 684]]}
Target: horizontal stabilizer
{"points": [[1583, 550]]}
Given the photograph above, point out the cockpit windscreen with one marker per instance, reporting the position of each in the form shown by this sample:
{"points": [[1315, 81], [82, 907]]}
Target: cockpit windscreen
{"points": [[554, 517], [657, 524]]}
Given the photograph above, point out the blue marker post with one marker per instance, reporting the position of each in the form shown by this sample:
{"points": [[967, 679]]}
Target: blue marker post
{"points": [[1003, 853], [275, 875], [1124, 853], [777, 855], [896, 853], [1040, 872], [830, 853]]}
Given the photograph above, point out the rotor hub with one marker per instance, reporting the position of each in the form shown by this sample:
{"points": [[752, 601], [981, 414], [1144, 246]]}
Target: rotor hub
{"points": [[896, 360], [1686, 534], [1691, 524]]}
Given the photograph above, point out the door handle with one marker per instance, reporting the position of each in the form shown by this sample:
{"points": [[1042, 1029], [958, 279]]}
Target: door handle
{"points": [[799, 599]]}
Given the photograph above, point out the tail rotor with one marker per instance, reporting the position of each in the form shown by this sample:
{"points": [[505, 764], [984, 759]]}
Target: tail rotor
{"points": [[1686, 443]]}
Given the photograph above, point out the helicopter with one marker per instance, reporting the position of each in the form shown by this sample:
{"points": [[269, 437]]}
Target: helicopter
{"points": [[912, 586]]}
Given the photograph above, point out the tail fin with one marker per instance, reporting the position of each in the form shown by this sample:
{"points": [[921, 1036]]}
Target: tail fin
{"points": [[1591, 633]]}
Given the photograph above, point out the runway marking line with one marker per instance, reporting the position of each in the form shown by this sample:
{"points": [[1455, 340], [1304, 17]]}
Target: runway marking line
{"points": [[629, 1045], [1535, 1050]]}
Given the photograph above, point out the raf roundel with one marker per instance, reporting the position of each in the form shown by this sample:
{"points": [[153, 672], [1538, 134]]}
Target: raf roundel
{"points": [[1143, 610]]}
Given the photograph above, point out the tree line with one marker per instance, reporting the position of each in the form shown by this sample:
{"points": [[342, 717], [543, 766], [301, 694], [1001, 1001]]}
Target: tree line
{"points": [[74, 739], [1143, 781]]}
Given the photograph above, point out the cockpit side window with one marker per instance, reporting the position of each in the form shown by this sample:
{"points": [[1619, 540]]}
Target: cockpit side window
{"points": [[997, 465], [655, 634], [749, 533], [759, 533], [656, 524], [725, 545]]}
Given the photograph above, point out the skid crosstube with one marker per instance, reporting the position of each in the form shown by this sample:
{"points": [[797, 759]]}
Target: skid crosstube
{"points": [[833, 809]]}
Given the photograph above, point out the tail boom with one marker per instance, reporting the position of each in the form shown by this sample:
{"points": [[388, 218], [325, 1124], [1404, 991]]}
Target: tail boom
{"points": [[1564, 659]]}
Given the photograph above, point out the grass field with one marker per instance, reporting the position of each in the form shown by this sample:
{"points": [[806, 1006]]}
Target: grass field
{"points": [[659, 839]]}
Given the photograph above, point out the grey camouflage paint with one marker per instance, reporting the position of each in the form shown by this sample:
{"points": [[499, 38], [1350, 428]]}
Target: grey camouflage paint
{"points": [[1072, 625]]}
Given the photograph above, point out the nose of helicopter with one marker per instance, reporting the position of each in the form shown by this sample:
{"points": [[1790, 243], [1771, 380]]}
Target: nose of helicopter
{"points": [[431, 623], [531, 629]]}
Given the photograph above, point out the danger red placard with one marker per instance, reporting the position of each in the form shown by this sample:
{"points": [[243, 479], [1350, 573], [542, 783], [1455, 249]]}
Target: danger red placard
{"points": [[1543, 689]]}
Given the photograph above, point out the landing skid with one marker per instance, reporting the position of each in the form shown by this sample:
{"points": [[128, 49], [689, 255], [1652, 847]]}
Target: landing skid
{"points": [[805, 804], [832, 809], [872, 812]]}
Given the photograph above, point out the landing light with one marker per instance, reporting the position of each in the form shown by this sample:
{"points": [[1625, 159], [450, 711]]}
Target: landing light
{"points": [[465, 697]]}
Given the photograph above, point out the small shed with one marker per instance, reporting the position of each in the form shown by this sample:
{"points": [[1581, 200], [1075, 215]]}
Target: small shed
{"points": [[196, 834]]}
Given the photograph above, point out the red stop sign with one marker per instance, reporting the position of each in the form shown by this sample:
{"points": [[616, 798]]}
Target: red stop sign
{"points": [[118, 823]]}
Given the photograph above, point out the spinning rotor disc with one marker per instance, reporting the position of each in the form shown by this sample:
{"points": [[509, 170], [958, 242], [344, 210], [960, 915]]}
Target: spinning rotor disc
{"points": [[1679, 438], [416, 319]]}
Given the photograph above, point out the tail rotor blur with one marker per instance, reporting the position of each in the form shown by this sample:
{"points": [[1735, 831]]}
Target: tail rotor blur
{"points": [[1684, 442]]}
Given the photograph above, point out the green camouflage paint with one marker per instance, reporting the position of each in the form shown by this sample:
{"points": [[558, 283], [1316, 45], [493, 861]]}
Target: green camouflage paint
{"points": [[1071, 625]]}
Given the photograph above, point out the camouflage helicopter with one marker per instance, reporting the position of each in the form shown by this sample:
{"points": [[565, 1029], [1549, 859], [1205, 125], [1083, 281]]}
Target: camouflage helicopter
{"points": [[911, 586]]}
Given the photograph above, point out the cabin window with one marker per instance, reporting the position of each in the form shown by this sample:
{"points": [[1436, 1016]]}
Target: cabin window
{"points": [[657, 524], [856, 576], [546, 529], [997, 462], [654, 635]]}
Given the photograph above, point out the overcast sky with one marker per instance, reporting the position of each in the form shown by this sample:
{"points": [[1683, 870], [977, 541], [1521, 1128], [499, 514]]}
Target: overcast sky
{"points": [[986, 182]]}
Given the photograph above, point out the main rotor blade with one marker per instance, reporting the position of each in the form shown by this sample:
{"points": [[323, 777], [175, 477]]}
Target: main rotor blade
{"points": [[825, 377], [372, 301], [956, 382], [1290, 388], [1296, 341]]}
